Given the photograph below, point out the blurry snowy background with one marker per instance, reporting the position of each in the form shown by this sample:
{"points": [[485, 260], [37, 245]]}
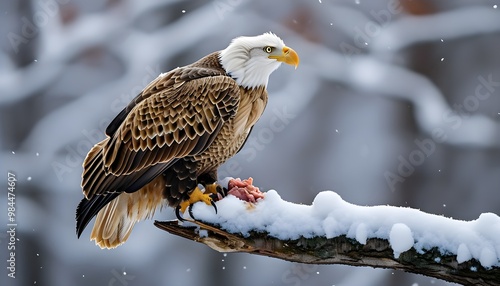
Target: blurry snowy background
{"points": [[395, 102]]}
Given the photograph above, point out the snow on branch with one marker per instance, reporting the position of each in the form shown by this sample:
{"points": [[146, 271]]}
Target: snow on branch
{"points": [[333, 231]]}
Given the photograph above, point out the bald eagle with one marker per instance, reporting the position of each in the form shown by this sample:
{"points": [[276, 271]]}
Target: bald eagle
{"points": [[174, 135]]}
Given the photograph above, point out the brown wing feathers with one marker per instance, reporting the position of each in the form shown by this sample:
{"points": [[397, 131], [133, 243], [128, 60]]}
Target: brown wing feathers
{"points": [[177, 115], [171, 128]]}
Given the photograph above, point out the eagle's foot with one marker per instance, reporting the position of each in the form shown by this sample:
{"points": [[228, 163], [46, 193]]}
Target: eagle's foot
{"points": [[216, 191], [196, 196]]}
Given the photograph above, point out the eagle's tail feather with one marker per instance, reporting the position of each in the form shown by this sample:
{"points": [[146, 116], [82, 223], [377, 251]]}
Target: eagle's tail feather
{"points": [[115, 221], [113, 225]]}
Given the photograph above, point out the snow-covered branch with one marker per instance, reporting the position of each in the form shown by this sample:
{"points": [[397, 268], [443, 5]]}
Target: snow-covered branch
{"points": [[332, 231]]}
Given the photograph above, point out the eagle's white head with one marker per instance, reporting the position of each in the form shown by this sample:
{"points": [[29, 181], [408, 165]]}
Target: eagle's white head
{"points": [[250, 60]]}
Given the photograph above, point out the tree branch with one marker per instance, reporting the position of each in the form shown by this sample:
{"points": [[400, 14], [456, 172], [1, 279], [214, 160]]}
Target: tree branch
{"points": [[375, 253]]}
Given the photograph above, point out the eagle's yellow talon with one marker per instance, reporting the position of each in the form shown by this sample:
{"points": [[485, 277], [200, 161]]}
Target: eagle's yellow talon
{"points": [[213, 188], [198, 196]]}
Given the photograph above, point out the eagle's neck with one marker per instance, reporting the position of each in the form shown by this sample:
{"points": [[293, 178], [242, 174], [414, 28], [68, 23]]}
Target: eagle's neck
{"points": [[249, 72]]}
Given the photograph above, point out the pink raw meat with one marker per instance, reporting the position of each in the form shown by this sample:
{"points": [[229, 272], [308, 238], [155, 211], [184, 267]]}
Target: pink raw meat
{"points": [[244, 190]]}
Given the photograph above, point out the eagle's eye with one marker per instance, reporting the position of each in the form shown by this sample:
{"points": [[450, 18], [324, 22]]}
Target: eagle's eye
{"points": [[268, 49]]}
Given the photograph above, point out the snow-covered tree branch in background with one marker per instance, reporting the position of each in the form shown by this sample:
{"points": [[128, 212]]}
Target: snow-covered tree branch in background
{"points": [[333, 231]]}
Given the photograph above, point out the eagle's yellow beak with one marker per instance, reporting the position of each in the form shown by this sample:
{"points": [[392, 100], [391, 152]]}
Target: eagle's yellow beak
{"points": [[288, 56]]}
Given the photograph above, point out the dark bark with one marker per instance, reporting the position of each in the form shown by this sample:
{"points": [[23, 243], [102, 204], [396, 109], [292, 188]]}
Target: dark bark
{"points": [[339, 250]]}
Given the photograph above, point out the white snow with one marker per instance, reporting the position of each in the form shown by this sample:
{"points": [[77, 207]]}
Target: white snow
{"points": [[330, 216], [361, 233], [400, 238], [488, 257], [463, 253]]}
